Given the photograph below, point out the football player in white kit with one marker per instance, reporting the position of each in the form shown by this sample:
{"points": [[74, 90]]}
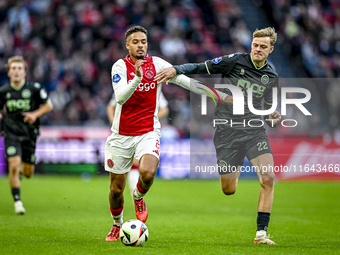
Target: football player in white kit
{"points": [[135, 127], [133, 174]]}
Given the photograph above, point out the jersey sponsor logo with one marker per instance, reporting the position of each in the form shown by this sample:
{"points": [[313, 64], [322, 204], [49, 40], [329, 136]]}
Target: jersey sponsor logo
{"points": [[43, 94], [37, 85], [146, 86], [26, 93], [110, 163], [19, 104], [116, 78], [264, 79], [149, 74], [242, 72], [256, 88], [217, 60]]}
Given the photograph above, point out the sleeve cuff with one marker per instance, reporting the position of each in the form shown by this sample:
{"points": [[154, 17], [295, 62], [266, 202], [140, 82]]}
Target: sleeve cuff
{"points": [[177, 69]]}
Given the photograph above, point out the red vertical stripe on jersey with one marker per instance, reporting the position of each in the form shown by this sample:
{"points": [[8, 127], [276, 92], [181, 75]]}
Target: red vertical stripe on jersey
{"points": [[137, 115]]}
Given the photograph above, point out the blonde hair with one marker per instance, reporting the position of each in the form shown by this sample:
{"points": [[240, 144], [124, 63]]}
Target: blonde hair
{"points": [[266, 32], [15, 59]]}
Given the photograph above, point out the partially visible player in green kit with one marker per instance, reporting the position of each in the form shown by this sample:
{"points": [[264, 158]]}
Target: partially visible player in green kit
{"points": [[24, 101], [234, 142]]}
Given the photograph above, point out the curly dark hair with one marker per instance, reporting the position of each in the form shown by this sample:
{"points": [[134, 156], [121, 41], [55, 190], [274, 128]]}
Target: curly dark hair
{"points": [[135, 29]]}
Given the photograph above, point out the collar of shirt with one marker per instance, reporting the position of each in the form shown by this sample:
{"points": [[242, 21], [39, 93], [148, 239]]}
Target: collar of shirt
{"points": [[258, 68]]}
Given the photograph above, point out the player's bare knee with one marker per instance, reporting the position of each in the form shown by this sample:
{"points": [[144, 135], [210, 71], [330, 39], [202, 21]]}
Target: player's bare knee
{"points": [[229, 185], [14, 168], [14, 164], [28, 175], [116, 190], [229, 191], [28, 172], [147, 177], [267, 182]]}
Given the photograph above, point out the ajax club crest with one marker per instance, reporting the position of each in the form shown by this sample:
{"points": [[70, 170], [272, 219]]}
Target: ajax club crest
{"points": [[148, 73]]}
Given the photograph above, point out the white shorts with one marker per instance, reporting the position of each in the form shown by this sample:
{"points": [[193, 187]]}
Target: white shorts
{"points": [[120, 150]]}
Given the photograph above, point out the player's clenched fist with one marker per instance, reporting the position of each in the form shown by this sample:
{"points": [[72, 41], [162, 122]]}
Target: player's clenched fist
{"points": [[138, 67], [275, 117]]}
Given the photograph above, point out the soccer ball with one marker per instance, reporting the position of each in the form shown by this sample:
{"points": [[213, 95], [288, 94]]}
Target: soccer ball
{"points": [[134, 233]]}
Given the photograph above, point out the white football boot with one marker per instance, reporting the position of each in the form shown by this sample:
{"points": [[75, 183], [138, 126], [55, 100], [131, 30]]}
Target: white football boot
{"points": [[262, 238], [19, 207]]}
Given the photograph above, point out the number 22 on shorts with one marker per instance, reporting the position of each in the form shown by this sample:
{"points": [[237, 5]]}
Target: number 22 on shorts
{"points": [[262, 146]]}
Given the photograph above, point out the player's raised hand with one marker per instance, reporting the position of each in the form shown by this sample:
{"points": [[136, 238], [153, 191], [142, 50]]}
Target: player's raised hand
{"points": [[29, 117], [138, 67], [275, 117], [165, 75]]}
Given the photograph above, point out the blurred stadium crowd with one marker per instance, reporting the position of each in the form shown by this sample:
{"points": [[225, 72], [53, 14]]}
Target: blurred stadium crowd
{"points": [[311, 33], [71, 45], [310, 36]]}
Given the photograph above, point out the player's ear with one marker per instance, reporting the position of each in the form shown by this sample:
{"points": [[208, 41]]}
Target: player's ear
{"points": [[271, 49]]}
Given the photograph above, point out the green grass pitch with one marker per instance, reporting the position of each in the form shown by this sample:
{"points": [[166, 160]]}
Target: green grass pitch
{"points": [[67, 215]]}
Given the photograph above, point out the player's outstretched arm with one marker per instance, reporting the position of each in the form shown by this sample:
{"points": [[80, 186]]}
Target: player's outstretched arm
{"points": [[199, 88], [167, 74], [31, 117]]}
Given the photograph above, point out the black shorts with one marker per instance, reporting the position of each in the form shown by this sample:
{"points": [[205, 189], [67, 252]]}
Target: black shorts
{"points": [[21, 146], [243, 144]]}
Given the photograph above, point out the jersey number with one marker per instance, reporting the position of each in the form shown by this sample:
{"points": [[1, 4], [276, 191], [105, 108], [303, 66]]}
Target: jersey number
{"points": [[262, 146]]}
